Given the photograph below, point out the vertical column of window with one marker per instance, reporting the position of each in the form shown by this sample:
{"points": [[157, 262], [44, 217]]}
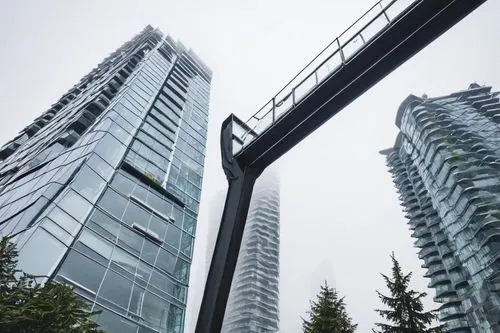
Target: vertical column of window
{"points": [[147, 153], [427, 233], [482, 249], [110, 285], [187, 167], [126, 115], [447, 249], [461, 229]]}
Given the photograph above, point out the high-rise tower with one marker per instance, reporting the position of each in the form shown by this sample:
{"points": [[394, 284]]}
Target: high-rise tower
{"points": [[446, 166], [102, 190], [253, 304]]}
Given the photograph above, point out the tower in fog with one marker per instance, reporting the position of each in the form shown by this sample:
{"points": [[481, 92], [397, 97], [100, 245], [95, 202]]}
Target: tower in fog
{"points": [[446, 166], [253, 304], [102, 190]]}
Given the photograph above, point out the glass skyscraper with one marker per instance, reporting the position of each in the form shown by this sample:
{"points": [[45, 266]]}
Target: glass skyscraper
{"points": [[102, 190], [253, 303], [446, 166]]}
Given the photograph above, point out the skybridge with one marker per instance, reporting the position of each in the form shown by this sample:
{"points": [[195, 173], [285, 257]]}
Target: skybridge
{"points": [[387, 35]]}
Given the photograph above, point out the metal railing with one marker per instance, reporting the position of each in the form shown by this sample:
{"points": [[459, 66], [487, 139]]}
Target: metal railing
{"points": [[332, 58]]}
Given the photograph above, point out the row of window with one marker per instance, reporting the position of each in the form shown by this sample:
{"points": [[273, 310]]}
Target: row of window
{"points": [[60, 120], [146, 201], [111, 286], [153, 156], [22, 185]]}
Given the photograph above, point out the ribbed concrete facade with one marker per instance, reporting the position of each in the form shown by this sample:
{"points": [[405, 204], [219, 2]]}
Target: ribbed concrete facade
{"points": [[253, 304], [446, 166]]}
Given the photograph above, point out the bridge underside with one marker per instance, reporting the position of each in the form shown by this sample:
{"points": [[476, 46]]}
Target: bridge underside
{"points": [[420, 25], [417, 26]]}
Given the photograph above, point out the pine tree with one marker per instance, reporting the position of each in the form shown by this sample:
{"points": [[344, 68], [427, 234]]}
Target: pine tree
{"points": [[405, 309], [27, 306], [328, 314]]}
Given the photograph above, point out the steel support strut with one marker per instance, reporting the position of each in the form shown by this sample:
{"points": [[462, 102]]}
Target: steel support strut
{"points": [[409, 32], [227, 247]]}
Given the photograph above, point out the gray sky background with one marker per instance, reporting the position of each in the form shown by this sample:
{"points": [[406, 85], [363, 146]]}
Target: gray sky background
{"points": [[340, 217]]}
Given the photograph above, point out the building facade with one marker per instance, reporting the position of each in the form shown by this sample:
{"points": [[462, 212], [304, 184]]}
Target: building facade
{"points": [[102, 190], [253, 303], [446, 166]]}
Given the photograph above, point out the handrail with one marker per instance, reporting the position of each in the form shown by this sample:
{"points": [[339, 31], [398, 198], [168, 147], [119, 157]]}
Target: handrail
{"points": [[274, 103], [321, 52]]}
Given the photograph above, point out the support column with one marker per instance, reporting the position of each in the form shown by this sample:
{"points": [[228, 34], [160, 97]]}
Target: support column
{"points": [[227, 246]]}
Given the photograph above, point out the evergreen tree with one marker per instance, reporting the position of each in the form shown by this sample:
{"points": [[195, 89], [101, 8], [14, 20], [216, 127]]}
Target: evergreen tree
{"points": [[328, 314], [405, 309], [28, 307]]}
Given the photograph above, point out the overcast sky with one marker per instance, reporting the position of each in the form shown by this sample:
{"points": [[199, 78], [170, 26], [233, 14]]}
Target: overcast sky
{"points": [[340, 217]]}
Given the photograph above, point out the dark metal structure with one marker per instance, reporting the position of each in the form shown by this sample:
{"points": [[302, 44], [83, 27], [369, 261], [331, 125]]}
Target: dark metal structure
{"points": [[380, 41]]}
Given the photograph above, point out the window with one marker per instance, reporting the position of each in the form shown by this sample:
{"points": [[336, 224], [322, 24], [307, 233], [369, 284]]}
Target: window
{"points": [[119, 133], [75, 205], [166, 261], [149, 154], [158, 226], [181, 270], [165, 122], [118, 119], [160, 204], [177, 215], [179, 292], [113, 203], [149, 252], [175, 315], [123, 184], [135, 97], [112, 322], [97, 244], [161, 128], [88, 184], [130, 240], [154, 310], [116, 288], [140, 192], [187, 244], [80, 269], [136, 299], [143, 273], [162, 282], [189, 224], [135, 214], [66, 221], [100, 166], [159, 136], [123, 262], [173, 237], [154, 144], [103, 225], [110, 149], [55, 230], [32, 262]]}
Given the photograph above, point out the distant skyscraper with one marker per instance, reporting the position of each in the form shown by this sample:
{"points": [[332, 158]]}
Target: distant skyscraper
{"points": [[253, 304], [102, 190], [446, 166]]}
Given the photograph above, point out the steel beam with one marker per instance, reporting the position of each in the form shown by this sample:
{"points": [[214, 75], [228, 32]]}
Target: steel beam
{"points": [[419, 25], [218, 284]]}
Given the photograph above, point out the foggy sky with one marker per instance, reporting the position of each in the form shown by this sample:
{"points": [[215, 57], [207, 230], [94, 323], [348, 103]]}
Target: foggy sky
{"points": [[340, 217]]}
